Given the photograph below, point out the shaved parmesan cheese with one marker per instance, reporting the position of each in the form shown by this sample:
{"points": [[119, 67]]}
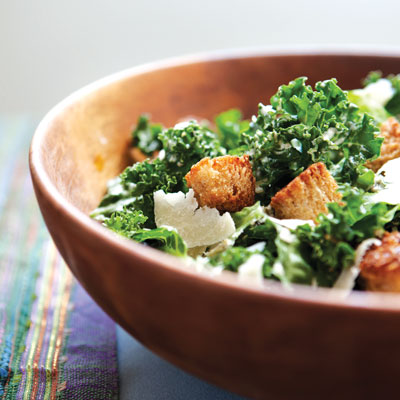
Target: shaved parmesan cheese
{"points": [[197, 226], [252, 270], [376, 94]]}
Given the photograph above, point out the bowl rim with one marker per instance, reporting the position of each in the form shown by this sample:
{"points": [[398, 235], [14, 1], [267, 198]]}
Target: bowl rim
{"points": [[301, 294]]}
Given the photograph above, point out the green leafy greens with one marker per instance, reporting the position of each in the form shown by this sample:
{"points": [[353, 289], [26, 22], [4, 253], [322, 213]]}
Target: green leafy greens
{"points": [[301, 126], [380, 96], [230, 126], [130, 223], [182, 147], [145, 136], [332, 242]]}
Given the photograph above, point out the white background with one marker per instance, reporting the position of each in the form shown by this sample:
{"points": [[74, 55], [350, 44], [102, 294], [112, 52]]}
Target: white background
{"points": [[49, 48]]}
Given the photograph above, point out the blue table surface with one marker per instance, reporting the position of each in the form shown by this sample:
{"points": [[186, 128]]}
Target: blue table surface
{"points": [[145, 376]]}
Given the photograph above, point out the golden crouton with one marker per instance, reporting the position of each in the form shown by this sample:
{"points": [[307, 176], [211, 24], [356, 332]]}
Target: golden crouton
{"points": [[380, 266], [225, 183], [390, 131], [305, 197]]}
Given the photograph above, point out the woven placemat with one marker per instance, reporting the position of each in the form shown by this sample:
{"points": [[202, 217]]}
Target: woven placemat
{"points": [[55, 342]]}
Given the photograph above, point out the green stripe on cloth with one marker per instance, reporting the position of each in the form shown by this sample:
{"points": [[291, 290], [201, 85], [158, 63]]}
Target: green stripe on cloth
{"points": [[40, 302]]}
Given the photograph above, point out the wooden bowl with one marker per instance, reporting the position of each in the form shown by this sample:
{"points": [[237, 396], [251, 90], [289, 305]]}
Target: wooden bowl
{"points": [[262, 342]]}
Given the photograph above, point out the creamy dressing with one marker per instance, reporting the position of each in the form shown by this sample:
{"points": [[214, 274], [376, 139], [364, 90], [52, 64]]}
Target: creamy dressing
{"points": [[259, 246], [264, 110], [251, 271], [278, 270], [389, 176], [202, 266], [348, 276], [161, 154], [183, 124], [329, 134], [291, 223]]}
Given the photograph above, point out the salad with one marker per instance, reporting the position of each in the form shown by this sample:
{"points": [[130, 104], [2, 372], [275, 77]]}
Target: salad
{"points": [[306, 191]]}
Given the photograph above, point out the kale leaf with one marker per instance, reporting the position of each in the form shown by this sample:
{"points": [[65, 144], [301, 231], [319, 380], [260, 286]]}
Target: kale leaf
{"points": [[331, 244], [148, 177], [134, 189], [247, 217], [126, 222], [186, 144], [233, 257], [164, 239], [393, 105], [230, 125], [145, 135], [303, 126], [283, 251], [129, 223], [182, 146]]}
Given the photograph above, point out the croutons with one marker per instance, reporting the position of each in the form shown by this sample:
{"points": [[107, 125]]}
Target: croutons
{"points": [[380, 266], [390, 131], [225, 183], [305, 197]]}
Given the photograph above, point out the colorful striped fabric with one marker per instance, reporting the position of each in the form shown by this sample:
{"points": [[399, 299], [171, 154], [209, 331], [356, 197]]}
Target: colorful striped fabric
{"points": [[46, 318]]}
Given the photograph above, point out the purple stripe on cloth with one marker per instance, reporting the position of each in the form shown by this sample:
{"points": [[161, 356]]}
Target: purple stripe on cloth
{"points": [[91, 366]]}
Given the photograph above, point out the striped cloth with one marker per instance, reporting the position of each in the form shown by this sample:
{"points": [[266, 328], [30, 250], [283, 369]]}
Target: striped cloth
{"points": [[55, 342]]}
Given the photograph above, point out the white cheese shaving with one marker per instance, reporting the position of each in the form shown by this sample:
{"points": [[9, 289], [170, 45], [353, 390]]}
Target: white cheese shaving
{"points": [[251, 271], [277, 269], [376, 94], [197, 226], [259, 246]]}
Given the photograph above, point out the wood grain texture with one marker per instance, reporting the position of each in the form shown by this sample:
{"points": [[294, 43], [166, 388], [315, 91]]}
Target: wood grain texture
{"points": [[259, 342]]}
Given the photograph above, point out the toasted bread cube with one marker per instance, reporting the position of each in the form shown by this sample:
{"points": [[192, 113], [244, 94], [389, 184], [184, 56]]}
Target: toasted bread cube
{"points": [[380, 266], [390, 131], [305, 197], [225, 183]]}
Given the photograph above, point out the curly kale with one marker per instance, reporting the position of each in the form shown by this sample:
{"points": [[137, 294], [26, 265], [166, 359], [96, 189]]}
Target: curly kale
{"points": [[303, 126], [145, 135], [182, 147], [230, 126], [186, 144], [331, 243], [129, 223], [233, 257]]}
